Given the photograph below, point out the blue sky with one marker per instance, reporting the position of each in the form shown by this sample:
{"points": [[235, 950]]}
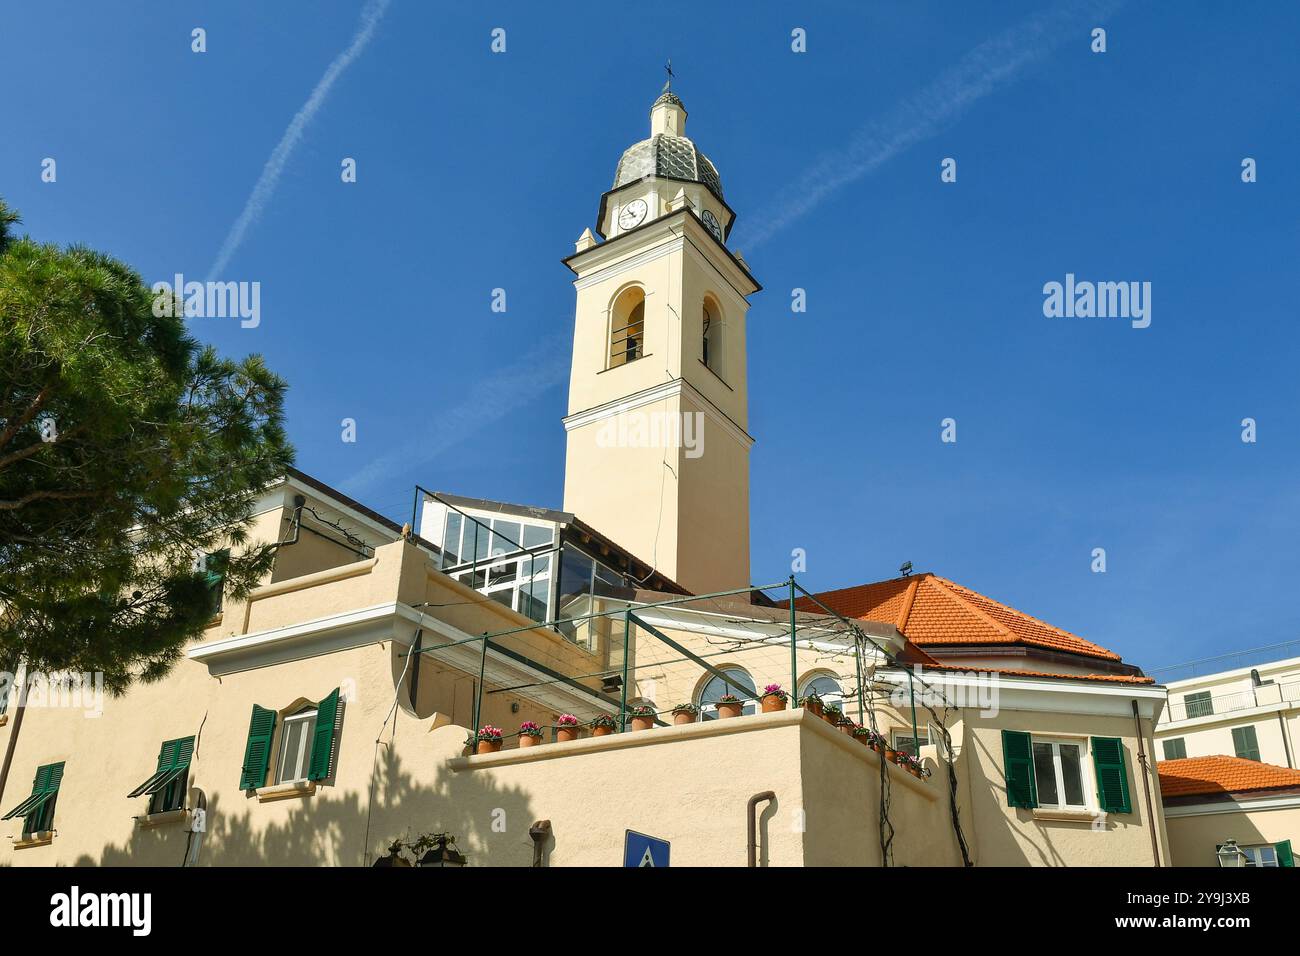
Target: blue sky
{"points": [[478, 170]]}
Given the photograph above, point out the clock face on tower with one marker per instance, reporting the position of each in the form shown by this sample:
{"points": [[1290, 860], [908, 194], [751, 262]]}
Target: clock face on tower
{"points": [[712, 225], [630, 216]]}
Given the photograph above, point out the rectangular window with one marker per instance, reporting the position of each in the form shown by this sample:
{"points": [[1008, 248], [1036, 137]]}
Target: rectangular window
{"points": [[451, 540], [1265, 855], [1175, 748], [1058, 775], [215, 571], [1199, 704], [169, 784], [37, 810], [1245, 743], [906, 743], [295, 746]]}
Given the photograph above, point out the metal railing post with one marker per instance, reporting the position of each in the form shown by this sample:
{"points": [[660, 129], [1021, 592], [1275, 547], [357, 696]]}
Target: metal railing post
{"points": [[478, 698], [794, 657], [627, 647]]}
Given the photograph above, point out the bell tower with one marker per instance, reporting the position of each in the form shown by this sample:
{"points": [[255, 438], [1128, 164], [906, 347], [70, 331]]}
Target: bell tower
{"points": [[658, 423]]}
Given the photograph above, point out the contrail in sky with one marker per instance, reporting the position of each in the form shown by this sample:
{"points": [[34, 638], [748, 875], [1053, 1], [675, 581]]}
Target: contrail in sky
{"points": [[371, 14], [542, 367], [987, 68]]}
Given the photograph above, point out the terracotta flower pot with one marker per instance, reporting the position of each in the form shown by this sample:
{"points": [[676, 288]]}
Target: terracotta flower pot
{"points": [[898, 756], [643, 723], [565, 734], [846, 728], [683, 717], [891, 755], [772, 703], [528, 740], [862, 739], [832, 719], [487, 746], [813, 705], [601, 731], [729, 709]]}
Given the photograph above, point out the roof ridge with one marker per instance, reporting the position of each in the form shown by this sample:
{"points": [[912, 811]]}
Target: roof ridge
{"points": [[909, 599], [949, 586], [1029, 617]]}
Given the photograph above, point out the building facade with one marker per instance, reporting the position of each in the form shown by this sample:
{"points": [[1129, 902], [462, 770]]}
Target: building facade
{"points": [[355, 698]]}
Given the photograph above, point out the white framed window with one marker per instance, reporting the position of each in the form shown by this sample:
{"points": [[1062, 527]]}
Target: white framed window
{"points": [[904, 741], [1059, 774], [520, 582], [296, 738], [1265, 855], [738, 682], [825, 686]]}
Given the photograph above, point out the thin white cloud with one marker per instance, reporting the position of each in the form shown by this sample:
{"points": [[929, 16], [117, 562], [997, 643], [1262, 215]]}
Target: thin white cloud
{"points": [[984, 70], [371, 14], [510, 387]]}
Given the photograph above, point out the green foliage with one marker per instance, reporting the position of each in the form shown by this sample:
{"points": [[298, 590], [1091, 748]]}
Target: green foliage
{"points": [[127, 452]]}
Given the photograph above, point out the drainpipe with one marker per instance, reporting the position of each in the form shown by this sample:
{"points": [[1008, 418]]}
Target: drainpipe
{"points": [[1286, 739], [539, 832], [1146, 784], [752, 824]]}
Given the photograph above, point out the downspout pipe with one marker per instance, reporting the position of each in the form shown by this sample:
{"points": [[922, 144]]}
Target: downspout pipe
{"points": [[1146, 783], [751, 820], [18, 694]]}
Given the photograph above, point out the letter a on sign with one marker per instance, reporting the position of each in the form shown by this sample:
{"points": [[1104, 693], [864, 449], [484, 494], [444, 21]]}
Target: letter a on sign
{"points": [[641, 850]]}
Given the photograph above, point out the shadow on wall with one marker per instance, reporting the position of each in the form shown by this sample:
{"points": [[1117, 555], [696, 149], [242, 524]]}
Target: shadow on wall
{"points": [[329, 828]]}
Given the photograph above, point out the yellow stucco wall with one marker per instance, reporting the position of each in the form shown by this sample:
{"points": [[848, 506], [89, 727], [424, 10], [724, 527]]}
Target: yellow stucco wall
{"points": [[1193, 839]]}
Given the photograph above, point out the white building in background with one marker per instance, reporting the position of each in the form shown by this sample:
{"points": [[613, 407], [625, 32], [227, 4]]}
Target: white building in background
{"points": [[1247, 712]]}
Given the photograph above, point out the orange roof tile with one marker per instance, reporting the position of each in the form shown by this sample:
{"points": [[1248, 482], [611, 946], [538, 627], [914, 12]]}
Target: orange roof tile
{"points": [[1220, 775], [928, 609]]}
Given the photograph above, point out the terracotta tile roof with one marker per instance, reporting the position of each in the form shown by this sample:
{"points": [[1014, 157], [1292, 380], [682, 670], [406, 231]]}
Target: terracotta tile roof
{"points": [[928, 609], [1221, 775]]}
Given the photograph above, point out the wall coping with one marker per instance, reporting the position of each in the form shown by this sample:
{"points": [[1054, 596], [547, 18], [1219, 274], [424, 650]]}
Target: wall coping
{"points": [[805, 720]]}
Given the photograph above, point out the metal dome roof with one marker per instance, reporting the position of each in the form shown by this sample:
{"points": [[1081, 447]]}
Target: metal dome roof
{"points": [[666, 155]]}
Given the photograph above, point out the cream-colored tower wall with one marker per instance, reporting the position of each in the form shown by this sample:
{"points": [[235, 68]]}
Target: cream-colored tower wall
{"points": [[684, 509]]}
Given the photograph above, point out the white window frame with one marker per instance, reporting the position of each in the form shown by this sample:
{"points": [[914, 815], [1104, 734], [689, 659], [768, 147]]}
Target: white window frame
{"points": [[305, 741], [906, 732], [711, 709], [1085, 771], [1255, 855], [806, 684]]}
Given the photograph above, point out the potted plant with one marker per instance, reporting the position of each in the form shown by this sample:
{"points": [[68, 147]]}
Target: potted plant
{"points": [[643, 717], [811, 702], [774, 698], [685, 713], [862, 735], [890, 753], [530, 734], [603, 725], [729, 706], [845, 725], [911, 764], [566, 728], [831, 713], [487, 740], [876, 742]]}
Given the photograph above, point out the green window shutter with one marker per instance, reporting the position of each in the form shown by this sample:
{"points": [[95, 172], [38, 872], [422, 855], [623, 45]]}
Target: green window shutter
{"points": [[1284, 855], [1018, 765], [257, 752], [44, 787], [322, 745], [1244, 742], [1112, 777]]}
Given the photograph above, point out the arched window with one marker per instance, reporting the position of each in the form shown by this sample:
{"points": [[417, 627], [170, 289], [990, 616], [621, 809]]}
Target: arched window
{"points": [[711, 338], [824, 686], [738, 682], [627, 328]]}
